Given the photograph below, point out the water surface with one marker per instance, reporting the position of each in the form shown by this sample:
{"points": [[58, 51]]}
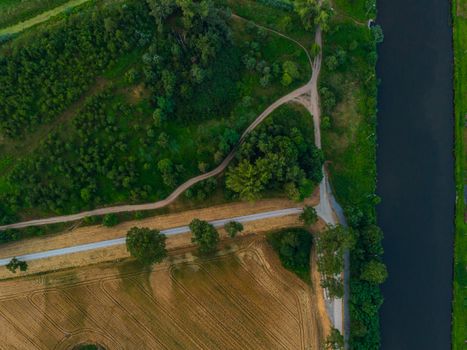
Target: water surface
{"points": [[415, 172]]}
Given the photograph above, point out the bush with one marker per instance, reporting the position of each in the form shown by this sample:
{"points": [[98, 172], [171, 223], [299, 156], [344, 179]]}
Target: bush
{"points": [[233, 227], [309, 216], [293, 246], [15, 263], [110, 220]]}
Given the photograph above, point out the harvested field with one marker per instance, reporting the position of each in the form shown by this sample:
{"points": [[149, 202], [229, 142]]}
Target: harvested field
{"points": [[240, 299]]}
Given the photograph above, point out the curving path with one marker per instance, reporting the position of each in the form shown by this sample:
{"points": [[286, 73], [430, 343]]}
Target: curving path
{"points": [[309, 88], [327, 208]]}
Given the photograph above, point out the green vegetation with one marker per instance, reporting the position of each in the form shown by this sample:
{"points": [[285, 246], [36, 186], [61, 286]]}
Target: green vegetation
{"points": [[232, 228], [135, 133], [279, 156], [309, 216], [146, 245], [14, 264], [335, 340], [314, 13], [110, 220], [293, 245], [14, 11], [459, 329], [34, 91], [357, 10], [204, 235], [331, 245], [348, 89], [280, 19]]}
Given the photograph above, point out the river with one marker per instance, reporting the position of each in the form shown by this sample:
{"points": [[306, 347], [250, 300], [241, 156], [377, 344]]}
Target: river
{"points": [[415, 172]]}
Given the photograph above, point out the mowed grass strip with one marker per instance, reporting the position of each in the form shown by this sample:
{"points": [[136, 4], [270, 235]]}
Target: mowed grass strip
{"points": [[459, 329], [35, 9]]}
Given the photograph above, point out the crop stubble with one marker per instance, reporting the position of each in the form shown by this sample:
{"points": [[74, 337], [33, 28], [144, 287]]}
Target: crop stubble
{"points": [[240, 299]]}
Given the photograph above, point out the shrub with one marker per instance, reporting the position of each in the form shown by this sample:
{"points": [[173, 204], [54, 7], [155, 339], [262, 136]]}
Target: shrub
{"points": [[233, 227]]}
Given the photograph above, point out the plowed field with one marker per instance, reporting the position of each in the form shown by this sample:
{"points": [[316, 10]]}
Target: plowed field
{"points": [[240, 299]]}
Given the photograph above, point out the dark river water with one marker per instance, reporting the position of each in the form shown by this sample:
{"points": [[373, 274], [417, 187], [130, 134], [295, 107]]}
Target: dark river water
{"points": [[415, 172]]}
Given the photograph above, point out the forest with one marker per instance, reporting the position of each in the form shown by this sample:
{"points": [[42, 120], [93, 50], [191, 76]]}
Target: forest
{"points": [[148, 114], [41, 75]]}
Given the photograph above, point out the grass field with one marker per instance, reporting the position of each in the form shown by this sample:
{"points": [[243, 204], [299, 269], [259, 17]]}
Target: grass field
{"points": [[286, 22], [18, 15], [349, 141], [459, 329], [232, 301]]}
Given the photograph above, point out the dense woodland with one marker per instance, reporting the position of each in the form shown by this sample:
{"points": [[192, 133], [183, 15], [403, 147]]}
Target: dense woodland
{"points": [[279, 156], [118, 149], [43, 75]]}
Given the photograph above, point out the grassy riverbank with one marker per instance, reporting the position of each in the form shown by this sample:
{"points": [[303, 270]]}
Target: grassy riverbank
{"points": [[459, 329]]}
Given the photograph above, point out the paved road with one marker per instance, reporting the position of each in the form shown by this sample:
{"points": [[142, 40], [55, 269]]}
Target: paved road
{"points": [[168, 232]]}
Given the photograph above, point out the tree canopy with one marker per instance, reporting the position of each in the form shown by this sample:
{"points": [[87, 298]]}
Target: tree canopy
{"points": [[204, 235], [309, 216], [15, 263], [146, 245], [293, 246], [233, 227], [277, 156]]}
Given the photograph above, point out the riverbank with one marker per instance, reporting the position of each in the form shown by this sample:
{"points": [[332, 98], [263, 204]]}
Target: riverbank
{"points": [[459, 317]]}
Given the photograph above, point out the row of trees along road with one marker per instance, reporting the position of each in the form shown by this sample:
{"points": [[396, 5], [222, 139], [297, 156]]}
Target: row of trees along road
{"points": [[148, 245]]}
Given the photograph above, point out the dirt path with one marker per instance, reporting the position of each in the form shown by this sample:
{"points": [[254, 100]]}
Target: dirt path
{"points": [[309, 88]]}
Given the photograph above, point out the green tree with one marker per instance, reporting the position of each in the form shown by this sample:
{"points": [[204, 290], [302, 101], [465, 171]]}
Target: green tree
{"points": [[286, 79], [204, 235], [291, 69], [378, 35], [315, 50], [324, 15], [110, 220], [293, 247], [331, 63], [331, 245], [247, 180], [167, 170], [233, 227], [307, 10], [146, 245], [374, 272], [334, 285], [309, 216], [15, 263], [335, 340]]}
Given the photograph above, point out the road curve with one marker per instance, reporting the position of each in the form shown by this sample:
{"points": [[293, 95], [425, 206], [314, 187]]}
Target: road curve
{"points": [[168, 232], [186, 185]]}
